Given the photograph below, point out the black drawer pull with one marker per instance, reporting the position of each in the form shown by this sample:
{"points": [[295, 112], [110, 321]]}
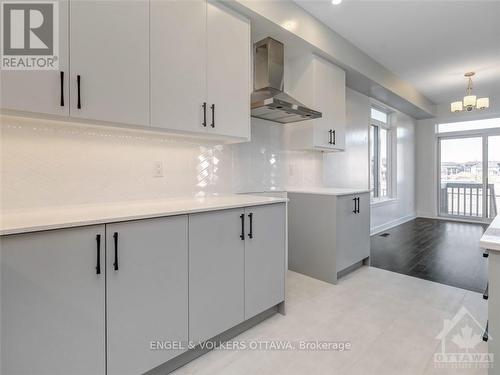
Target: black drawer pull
{"points": [[79, 104], [242, 235], [98, 263], [213, 115], [250, 233], [485, 294], [115, 238], [204, 123], [330, 136], [485, 335], [486, 254], [61, 75], [333, 137], [356, 205]]}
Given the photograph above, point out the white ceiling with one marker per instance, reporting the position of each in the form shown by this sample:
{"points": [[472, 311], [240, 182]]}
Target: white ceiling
{"points": [[429, 43]]}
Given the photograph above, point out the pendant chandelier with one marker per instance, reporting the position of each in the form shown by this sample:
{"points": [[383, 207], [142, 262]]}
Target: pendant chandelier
{"points": [[470, 101]]}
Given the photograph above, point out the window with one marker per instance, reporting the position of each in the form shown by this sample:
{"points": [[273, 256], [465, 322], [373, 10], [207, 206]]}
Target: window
{"points": [[469, 165], [379, 115], [469, 125], [380, 156]]}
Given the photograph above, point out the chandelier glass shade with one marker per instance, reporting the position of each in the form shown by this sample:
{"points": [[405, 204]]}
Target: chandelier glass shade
{"points": [[470, 102]]}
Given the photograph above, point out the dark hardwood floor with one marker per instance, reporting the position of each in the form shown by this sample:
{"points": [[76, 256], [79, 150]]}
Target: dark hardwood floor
{"points": [[443, 251]]}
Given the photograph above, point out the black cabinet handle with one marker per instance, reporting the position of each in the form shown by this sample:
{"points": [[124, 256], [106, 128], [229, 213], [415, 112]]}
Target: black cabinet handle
{"points": [[212, 107], [330, 136], [242, 235], [333, 137], [486, 292], [204, 123], [356, 205], [115, 238], [486, 254], [79, 104], [61, 75], [250, 233], [485, 335], [98, 263]]}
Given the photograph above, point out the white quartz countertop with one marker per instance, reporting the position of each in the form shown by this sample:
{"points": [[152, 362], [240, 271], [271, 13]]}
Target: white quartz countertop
{"points": [[491, 238], [47, 218], [327, 191]]}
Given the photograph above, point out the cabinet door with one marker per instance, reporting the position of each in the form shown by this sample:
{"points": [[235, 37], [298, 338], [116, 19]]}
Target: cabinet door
{"points": [[216, 281], [353, 230], [264, 258], [178, 64], [329, 97], [40, 91], [147, 296], [228, 72], [110, 52], [52, 303]]}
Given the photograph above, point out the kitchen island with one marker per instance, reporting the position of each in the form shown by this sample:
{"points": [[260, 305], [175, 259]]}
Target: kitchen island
{"points": [[329, 231]]}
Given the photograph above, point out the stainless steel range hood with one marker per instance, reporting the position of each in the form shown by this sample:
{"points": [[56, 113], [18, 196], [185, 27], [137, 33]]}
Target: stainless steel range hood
{"points": [[269, 102]]}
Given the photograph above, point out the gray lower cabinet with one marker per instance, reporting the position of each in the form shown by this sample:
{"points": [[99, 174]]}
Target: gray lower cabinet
{"points": [[53, 302], [216, 277], [94, 299], [147, 292], [353, 230], [327, 233], [264, 257]]}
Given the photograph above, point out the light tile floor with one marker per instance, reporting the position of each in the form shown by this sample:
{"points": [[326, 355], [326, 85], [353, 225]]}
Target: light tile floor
{"points": [[390, 319]]}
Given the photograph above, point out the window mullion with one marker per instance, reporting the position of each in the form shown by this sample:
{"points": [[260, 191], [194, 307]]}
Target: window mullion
{"points": [[376, 172]]}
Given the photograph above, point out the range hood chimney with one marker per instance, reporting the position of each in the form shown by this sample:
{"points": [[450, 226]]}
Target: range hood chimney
{"points": [[269, 102]]}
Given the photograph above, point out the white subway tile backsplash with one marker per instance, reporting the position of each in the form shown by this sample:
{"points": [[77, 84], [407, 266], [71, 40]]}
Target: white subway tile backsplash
{"points": [[47, 163]]}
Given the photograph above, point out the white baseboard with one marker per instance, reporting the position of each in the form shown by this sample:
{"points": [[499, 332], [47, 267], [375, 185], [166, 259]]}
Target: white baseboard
{"points": [[458, 219], [391, 224], [427, 215]]}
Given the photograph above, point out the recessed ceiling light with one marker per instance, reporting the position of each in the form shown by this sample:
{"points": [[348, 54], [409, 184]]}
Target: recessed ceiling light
{"points": [[336, 2]]}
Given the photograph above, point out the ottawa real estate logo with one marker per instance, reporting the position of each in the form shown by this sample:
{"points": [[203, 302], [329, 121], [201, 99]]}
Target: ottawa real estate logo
{"points": [[29, 35]]}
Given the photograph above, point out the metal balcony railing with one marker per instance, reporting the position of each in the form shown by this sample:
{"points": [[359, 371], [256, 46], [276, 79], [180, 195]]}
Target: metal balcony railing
{"points": [[466, 200]]}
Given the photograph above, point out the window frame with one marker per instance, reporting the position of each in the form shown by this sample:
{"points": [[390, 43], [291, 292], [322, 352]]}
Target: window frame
{"points": [[391, 162]]}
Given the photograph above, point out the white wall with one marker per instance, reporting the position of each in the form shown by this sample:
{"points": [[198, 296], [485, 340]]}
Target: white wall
{"points": [[427, 170], [426, 186], [44, 163]]}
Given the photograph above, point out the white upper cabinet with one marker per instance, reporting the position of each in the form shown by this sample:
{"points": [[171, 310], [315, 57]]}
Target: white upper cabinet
{"points": [[228, 72], [178, 68], [200, 69], [110, 57], [320, 85], [181, 66], [40, 91]]}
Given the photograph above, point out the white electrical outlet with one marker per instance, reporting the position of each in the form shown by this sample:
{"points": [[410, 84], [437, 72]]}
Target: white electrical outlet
{"points": [[158, 169]]}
